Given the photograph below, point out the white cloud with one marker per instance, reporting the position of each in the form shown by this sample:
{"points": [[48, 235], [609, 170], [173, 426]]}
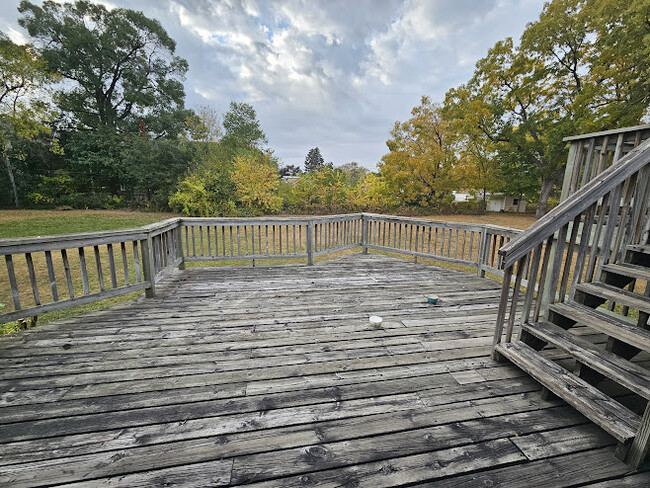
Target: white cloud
{"points": [[332, 73]]}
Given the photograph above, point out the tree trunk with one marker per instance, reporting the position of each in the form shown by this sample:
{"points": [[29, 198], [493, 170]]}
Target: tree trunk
{"points": [[545, 192], [5, 157]]}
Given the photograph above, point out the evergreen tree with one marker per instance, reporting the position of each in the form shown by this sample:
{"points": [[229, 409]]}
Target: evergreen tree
{"points": [[314, 160]]}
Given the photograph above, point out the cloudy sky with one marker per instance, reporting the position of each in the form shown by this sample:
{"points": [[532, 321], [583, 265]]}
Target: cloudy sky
{"points": [[329, 73]]}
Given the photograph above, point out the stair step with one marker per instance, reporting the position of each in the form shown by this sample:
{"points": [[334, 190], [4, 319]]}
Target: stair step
{"points": [[623, 297], [629, 270], [607, 324], [626, 373], [610, 415]]}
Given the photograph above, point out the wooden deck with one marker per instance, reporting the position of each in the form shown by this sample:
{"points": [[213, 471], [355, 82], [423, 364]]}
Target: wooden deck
{"points": [[275, 377]]}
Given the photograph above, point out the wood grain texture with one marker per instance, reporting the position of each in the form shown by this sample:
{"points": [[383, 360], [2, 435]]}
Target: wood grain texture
{"points": [[274, 376]]}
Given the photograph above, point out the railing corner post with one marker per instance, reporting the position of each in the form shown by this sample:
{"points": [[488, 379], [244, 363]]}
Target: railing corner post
{"points": [[364, 234], [310, 243], [148, 266]]}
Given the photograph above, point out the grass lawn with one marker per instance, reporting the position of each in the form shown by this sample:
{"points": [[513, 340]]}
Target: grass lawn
{"points": [[23, 223]]}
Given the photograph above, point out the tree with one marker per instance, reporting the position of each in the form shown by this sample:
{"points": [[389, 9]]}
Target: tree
{"points": [[120, 65], [314, 161], [24, 113], [242, 129], [417, 168], [204, 125], [353, 173], [256, 185]]}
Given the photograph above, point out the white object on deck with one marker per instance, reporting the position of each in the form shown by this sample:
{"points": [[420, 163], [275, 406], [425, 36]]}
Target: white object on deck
{"points": [[375, 319]]}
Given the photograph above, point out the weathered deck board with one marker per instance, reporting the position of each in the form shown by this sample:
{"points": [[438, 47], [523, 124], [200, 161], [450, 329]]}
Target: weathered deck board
{"points": [[274, 376]]}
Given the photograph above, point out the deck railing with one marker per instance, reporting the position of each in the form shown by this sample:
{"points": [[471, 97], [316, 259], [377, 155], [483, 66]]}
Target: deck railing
{"points": [[46, 274], [573, 242]]}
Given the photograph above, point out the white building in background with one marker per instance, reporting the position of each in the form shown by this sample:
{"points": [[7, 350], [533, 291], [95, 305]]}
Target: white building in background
{"points": [[496, 202], [499, 202]]}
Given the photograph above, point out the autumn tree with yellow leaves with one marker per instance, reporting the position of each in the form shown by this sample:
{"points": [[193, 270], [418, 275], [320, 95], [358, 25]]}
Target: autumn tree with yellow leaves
{"points": [[417, 169]]}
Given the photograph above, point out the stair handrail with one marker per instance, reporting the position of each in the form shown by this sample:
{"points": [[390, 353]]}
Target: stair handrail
{"points": [[573, 242], [573, 206]]}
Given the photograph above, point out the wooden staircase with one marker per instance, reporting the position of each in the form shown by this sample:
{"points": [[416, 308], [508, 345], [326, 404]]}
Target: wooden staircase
{"points": [[593, 362], [578, 281]]}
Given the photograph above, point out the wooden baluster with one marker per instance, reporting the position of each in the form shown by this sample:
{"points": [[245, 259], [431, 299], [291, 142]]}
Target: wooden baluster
{"points": [[542, 279], [501, 313], [624, 223], [201, 238], [569, 258], [471, 246], [223, 239], [32, 278], [521, 265], [193, 242], [207, 231], [216, 241], [51, 276], [612, 218], [266, 236], [125, 264], [232, 244], [238, 241], [429, 241], [68, 274], [530, 288], [111, 265], [602, 162], [557, 262], [98, 263], [136, 262], [84, 271], [593, 254], [575, 175], [294, 238], [589, 162], [585, 237], [12, 281]]}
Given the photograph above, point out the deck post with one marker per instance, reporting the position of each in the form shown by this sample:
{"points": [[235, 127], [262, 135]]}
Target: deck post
{"points": [[364, 234], [310, 243], [148, 266], [178, 234]]}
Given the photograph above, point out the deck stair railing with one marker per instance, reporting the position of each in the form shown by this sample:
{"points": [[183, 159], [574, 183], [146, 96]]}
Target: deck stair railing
{"points": [[581, 272]]}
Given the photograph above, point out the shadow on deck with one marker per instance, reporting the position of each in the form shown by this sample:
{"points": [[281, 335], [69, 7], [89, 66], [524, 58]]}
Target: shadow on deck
{"points": [[273, 376]]}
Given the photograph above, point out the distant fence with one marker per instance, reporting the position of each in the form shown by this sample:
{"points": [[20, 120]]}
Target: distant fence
{"points": [[46, 274]]}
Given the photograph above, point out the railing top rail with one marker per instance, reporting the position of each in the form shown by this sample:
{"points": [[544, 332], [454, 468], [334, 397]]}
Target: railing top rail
{"points": [[577, 203], [33, 244], [607, 132], [413, 220]]}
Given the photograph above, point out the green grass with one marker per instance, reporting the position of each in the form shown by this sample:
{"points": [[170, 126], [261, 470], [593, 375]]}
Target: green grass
{"points": [[24, 223]]}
